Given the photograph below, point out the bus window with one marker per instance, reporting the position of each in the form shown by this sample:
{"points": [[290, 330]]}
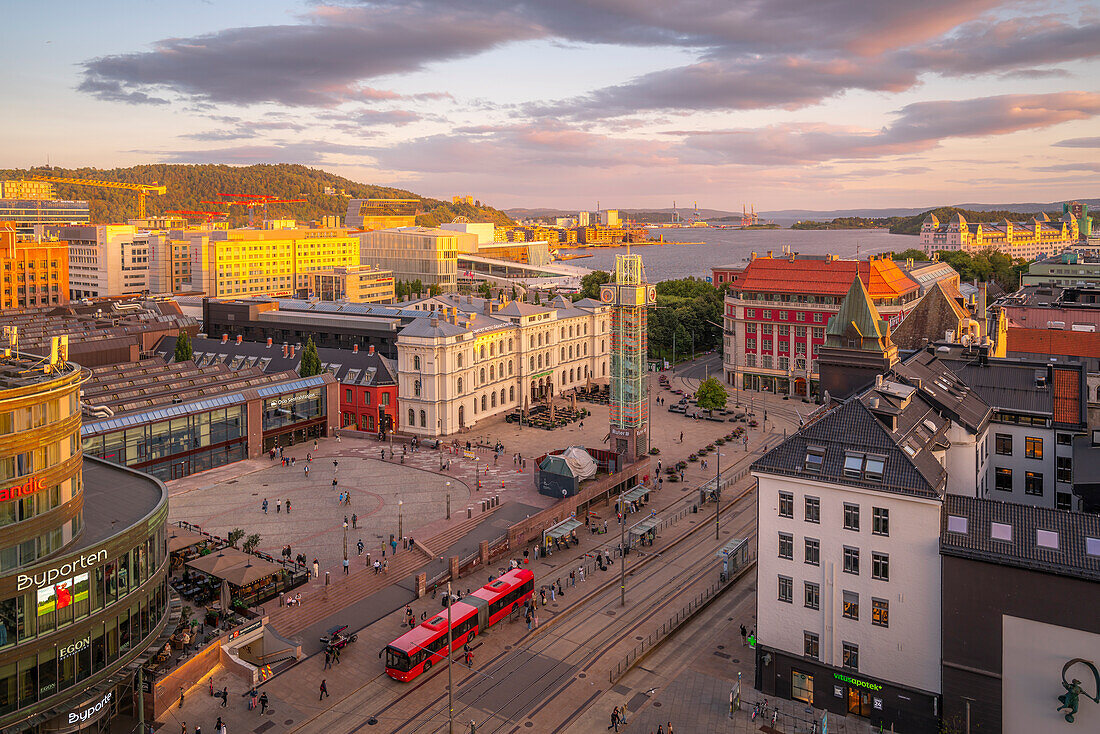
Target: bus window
{"points": [[396, 660]]}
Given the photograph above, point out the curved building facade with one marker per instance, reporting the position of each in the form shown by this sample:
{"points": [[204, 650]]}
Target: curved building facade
{"points": [[83, 563]]}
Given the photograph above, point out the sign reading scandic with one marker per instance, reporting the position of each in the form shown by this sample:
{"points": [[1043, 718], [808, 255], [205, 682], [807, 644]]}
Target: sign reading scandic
{"points": [[32, 485], [39, 579]]}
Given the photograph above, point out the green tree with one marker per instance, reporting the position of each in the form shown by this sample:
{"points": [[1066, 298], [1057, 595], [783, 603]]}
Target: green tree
{"points": [[311, 363], [184, 352], [485, 289], [435, 289], [416, 287], [514, 294], [711, 395], [235, 536], [912, 253], [590, 284], [251, 542]]}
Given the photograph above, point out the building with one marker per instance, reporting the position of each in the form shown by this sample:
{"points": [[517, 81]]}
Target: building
{"points": [[35, 273], [725, 274], [1026, 240], [368, 387], [474, 358], [858, 348], [172, 420], [1072, 346], [630, 297], [352, 284], [418, 253], [485, 231], [1017, 584], [1079, 212], [610, 218], [1065, 270], [928, 273], [367, 214], [100, 333], [777, 308], [106, 260], [1050, 307], [84, 601], [169, 261], [335, 325], [27, 189], [940, 317], [30, 214], [274, 262]]}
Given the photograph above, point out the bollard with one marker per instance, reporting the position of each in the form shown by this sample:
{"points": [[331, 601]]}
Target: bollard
{"points": [[326, 578], [469, 511], [448, 507]]}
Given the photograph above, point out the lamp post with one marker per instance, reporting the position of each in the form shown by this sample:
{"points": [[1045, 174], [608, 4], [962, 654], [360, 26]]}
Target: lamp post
{"points": [[448, 500], [450, 688], [345, 540], [400, 519], [717, 490], [622, 549]]}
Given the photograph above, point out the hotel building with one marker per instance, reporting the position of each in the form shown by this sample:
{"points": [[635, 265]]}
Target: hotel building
{"points": [[83, 596], [352, 284], [1015, 239]]}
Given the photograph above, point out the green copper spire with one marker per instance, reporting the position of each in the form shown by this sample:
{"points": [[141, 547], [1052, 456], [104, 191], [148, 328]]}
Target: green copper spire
{"points": [[858, 324]]}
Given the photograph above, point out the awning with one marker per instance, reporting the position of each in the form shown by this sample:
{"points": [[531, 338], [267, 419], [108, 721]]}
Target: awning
{"points": [[636, 493], [234, 566], [562, 529], [255, 570], [645, 526], [180, 538]]}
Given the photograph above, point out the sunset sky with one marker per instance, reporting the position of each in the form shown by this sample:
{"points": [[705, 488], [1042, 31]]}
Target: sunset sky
{"points": [[813, 104]]}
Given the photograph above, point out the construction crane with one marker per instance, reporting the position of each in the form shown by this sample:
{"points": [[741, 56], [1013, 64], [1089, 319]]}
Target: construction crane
{"points": [[142, 190], [252, 202], [205, 215]]}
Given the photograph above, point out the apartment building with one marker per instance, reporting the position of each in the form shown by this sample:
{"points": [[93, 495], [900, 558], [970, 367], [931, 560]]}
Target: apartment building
{"points": [[275, 262], [106, 259], [1068, 269], [353, 284], [474, 358], [417, 253], [34, 273]]}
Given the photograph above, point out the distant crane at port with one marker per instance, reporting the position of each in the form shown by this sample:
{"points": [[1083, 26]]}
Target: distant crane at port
{"points": [[749, 218], [140, 189]]}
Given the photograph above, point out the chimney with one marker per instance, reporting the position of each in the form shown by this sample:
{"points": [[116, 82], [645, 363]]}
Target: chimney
{"points": [[370, 349], [240, 339], [355, 349], [286, 350], [434, 322], [291, 355], [487, 308], [269, 342], [878, 380], [225, 338]]}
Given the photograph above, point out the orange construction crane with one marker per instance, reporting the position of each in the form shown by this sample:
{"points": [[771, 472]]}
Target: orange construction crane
{"points": [[253, 202], [141, 189], [198, 214]]}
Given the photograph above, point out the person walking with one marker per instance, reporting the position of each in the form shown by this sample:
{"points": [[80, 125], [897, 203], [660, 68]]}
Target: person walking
{"points": [[336, 655], [324, 690], [346, 567], [316, 569], [355, 521], [225, 696], [265, 505], [278, 506], [359, 546], [614, 719], [744, 635], [307, 471], [288, 505], [263, 702]]}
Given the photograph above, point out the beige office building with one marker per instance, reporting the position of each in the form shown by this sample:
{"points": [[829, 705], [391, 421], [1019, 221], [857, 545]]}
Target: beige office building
{"points": [[106, 259], [477, 358], [417, 253], [354, 284]]}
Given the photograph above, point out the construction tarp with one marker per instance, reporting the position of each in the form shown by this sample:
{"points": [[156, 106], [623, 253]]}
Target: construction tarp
{"points": [[580, 462]]}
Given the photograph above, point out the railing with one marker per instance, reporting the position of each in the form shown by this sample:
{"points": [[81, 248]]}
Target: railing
{"points": [[675, 622]]}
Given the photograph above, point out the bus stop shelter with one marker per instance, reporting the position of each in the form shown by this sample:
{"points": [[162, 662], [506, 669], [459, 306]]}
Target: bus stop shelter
{"points": [[734, 555], [644, 532], [562, 530], [632, 495]]}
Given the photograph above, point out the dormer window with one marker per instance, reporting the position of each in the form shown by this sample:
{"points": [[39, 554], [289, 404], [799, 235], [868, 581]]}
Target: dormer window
{"points": [[815, 459], [869, 467], [853, 464]]}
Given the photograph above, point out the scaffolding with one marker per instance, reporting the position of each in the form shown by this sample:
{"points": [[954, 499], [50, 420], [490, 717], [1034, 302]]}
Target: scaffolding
{"points": [[629, 404]]}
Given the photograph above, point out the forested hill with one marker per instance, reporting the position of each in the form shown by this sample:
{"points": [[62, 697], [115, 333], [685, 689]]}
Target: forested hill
{"points": [[191, 185], [912, 225]]}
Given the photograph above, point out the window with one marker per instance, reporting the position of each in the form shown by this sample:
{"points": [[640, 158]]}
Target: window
{"points": [[1000, 531], [1004, 444], [782, 315], [1003, 479], [750, 328], [801, 315], [880, 612], [880, 566], [1046, 539], [851, 605], [851, 560], [416, 388], [767, 314], [802, 687], [813, 552], [786, 545], [750, 313], [1033, 447], [851, 656], [1063, 501], [815, 457], [817, 320], [766, 362], [813, 596], [786, 504], [1065, 468], [1066, 439], [786, 589], [851, 517], [1033, 483], [460, 386], [873, 467], [416, 363], [810, 645], [423, 419], [813, 509], [880, 521], [800, 331]]}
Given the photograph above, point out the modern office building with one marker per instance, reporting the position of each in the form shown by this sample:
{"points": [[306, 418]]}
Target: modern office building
{"points": [[1065, 270], [172, 420], [352, 284], [1016, 239], [485, 231], [365, 214], [273, 262], [106, 260], [368, 386], [474, 358], [35, 274], [84, 601], [417, 253], [27, 189], [30, 214]]}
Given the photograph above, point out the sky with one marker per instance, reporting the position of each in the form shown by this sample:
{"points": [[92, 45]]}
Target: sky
{"points": [[780, 104]]}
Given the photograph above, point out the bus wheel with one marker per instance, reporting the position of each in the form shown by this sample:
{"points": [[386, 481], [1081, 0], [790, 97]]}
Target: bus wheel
{"points": [[473, 634]]}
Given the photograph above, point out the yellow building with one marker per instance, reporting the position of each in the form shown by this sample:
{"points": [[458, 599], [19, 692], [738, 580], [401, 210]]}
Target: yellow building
{"points": [[1028, 240], [27, 190], [274, 262], [356, 284], [34, 273]]}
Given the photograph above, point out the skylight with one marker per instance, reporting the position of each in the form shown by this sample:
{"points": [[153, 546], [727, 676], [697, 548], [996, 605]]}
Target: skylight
{"points": [[1092, 546], [957, 524], [1000, 531], [1046, 539]]}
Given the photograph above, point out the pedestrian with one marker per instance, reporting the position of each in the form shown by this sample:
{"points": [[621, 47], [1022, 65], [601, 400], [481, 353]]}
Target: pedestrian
{"points": [[744, 636], [359, 545], [225, 696], [385, 565], [347, 497], [316, 568], [670, 728], [355, 521], [336, 655], [345, 567], [265, 505], [681, 436], [307, 471], [660, 729], [263, 702], [288, 506], [614, 719], [324, 690], [334, 482], [278, 506], [552, 596]]}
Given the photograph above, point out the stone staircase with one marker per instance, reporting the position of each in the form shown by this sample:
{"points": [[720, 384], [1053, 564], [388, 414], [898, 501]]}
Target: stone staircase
{"points": [[439, 544]]}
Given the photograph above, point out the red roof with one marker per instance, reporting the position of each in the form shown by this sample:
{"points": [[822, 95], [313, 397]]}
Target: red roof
{"points": [[882, 277], [1056, 342], [1067, 396]]}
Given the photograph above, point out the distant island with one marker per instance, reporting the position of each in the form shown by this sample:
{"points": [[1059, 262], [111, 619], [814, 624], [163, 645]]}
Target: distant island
{"points": [[849, 223], [769, 225]]}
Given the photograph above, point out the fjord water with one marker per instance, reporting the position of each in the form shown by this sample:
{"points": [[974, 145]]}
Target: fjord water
{"points": [[731, 247]]}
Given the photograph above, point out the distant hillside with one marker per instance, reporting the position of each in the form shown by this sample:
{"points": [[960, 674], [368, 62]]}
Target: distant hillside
{"points": [[912, 225], [191, 185]]}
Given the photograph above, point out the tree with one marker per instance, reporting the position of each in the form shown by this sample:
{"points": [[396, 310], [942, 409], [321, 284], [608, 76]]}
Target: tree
{"points": [[184, 352], [251, 542], [514, 295], [590, 284], [235, 536], [711, 395], [311, 363], [911, 254], [485, 289], [435, 289]]}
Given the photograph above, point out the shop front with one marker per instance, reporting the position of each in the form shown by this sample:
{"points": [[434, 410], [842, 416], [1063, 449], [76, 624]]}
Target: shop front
{"points": [[294, 417], [846, 693]]}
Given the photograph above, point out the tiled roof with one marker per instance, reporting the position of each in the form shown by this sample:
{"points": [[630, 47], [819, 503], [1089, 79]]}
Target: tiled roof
{"points": [[1054, 342], [1067, 396], [943, 388], [815, 276], [967, 530], [936, 313]]}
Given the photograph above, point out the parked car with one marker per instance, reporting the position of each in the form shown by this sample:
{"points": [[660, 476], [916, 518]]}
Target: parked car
{"points": [[338, 637]]}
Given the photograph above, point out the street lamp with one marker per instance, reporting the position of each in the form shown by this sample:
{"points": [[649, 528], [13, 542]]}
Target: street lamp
{"points": [[717, 490], [400, 519], [622, 549], [345, 540], [448, 500]]}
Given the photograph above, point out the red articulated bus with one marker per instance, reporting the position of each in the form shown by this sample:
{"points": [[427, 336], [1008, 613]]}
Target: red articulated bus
{"points": [[417, 650]]}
